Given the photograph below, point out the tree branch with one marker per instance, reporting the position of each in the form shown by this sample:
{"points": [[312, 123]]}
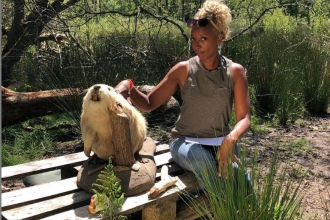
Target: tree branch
{"points": [[260, 16]]}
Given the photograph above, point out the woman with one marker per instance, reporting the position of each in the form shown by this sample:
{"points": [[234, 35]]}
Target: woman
{"points": [[210, 84]]}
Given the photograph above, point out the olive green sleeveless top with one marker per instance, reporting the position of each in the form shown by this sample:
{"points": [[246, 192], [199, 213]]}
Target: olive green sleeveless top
{"points": [[207, 101]]}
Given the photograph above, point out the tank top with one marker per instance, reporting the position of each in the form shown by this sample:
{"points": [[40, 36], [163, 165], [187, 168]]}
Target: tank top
{"points": [[207, 101]]}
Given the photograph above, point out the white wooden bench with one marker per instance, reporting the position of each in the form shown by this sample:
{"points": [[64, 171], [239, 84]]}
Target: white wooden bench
{"points": [[64, 200]]}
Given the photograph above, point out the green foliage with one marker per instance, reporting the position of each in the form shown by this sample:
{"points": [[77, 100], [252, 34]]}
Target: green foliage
{"points": [[316, 76], [298, 146], [285, 53], [286, 60], [36, 138], [274, 196], [258, 126], [109, 195]]}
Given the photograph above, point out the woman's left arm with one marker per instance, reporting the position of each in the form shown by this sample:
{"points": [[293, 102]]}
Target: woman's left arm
{"points": [[241, 102], [226, 153]]}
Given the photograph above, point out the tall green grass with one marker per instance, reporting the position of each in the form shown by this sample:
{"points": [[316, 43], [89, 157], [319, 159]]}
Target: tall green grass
{"points": [[287, 65], [275, 196], [316, 75]]}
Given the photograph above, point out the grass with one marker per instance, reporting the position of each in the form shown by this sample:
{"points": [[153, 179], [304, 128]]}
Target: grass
{"points": [[276, 196], [297, 146], [296, 171], [259, 126], [36, 138], [301, 122]]}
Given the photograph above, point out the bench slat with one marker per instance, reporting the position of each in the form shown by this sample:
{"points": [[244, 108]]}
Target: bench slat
{"points": [[35, 167], [47, 207], [164, 158], [172, 168], [133, 204], [75, 159], [13, 198]]}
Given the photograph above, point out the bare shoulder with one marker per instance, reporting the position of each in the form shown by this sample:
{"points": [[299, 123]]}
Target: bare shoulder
{"points": [[181, 66], [238, 71], [179, 72]]}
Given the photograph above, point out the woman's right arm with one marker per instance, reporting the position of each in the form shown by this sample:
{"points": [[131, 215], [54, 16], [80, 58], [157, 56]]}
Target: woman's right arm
{"points": [[162, 92]]}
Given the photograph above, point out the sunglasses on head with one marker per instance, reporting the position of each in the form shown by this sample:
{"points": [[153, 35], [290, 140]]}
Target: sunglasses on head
{"points": [[201, 23]]}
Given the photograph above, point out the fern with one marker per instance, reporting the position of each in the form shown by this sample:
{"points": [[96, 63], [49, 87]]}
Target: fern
{"points": [[108, 192]]}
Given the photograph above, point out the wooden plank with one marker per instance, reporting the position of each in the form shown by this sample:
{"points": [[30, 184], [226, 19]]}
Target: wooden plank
{"points": [[40, 166], [29, 194], [133, 204], [162, 148], [13, 198], [164, 158], [48, 207], [171, 169]]}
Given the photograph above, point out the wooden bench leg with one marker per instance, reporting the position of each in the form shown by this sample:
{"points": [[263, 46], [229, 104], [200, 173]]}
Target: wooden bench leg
{"points": [[162, 210]]}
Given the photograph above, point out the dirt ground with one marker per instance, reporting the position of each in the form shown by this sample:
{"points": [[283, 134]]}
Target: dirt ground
{"points": [[304, 145]]}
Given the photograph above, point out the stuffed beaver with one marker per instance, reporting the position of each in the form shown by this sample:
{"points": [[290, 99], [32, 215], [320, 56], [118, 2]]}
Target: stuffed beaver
{"points": [[97, 126], [101, 105]]}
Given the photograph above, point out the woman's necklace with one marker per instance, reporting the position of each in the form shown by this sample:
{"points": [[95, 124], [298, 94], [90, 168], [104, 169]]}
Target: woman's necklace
{"points": [[222, 63]]}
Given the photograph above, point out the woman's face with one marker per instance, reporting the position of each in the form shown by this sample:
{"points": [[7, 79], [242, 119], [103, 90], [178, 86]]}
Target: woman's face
{"points": [[204, 42]]}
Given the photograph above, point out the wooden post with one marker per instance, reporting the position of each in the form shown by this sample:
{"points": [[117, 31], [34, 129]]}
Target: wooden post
{"points": [[124, 155], [164, 209]]}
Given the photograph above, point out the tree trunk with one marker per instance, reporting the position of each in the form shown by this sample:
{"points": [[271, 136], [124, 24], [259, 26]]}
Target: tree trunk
{"points": [[18, 106], [25, 31]]}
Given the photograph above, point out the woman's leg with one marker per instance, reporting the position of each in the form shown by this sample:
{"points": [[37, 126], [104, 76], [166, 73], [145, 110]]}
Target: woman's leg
{"points": [[201, 160], [193, 157]]}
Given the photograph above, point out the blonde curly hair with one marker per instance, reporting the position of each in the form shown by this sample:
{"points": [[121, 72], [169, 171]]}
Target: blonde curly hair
{"points": [[218, 12]]}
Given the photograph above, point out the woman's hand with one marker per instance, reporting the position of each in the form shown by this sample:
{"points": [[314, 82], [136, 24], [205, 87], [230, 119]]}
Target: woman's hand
{"points": [[124, 88], [226, 155]]}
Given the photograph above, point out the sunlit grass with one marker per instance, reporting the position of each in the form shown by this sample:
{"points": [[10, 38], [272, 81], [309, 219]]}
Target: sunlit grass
{"points": [[276, 196]]}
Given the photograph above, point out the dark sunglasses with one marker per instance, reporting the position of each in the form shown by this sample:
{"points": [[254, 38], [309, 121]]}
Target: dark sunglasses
{"points": [[201, 23]]}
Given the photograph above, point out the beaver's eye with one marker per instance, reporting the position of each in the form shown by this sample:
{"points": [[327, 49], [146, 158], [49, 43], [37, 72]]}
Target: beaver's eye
{"points": [[119, 104]]}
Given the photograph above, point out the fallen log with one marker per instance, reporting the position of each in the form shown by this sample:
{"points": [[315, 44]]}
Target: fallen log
{"points": [[19, 106]]}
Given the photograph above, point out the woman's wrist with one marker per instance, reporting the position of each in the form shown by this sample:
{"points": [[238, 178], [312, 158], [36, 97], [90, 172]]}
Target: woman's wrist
{"points": [[124, 87], [131, 84], [233, 137]]}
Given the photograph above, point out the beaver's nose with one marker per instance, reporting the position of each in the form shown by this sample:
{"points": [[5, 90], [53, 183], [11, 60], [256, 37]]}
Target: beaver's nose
{"points": [[97, 87]]}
